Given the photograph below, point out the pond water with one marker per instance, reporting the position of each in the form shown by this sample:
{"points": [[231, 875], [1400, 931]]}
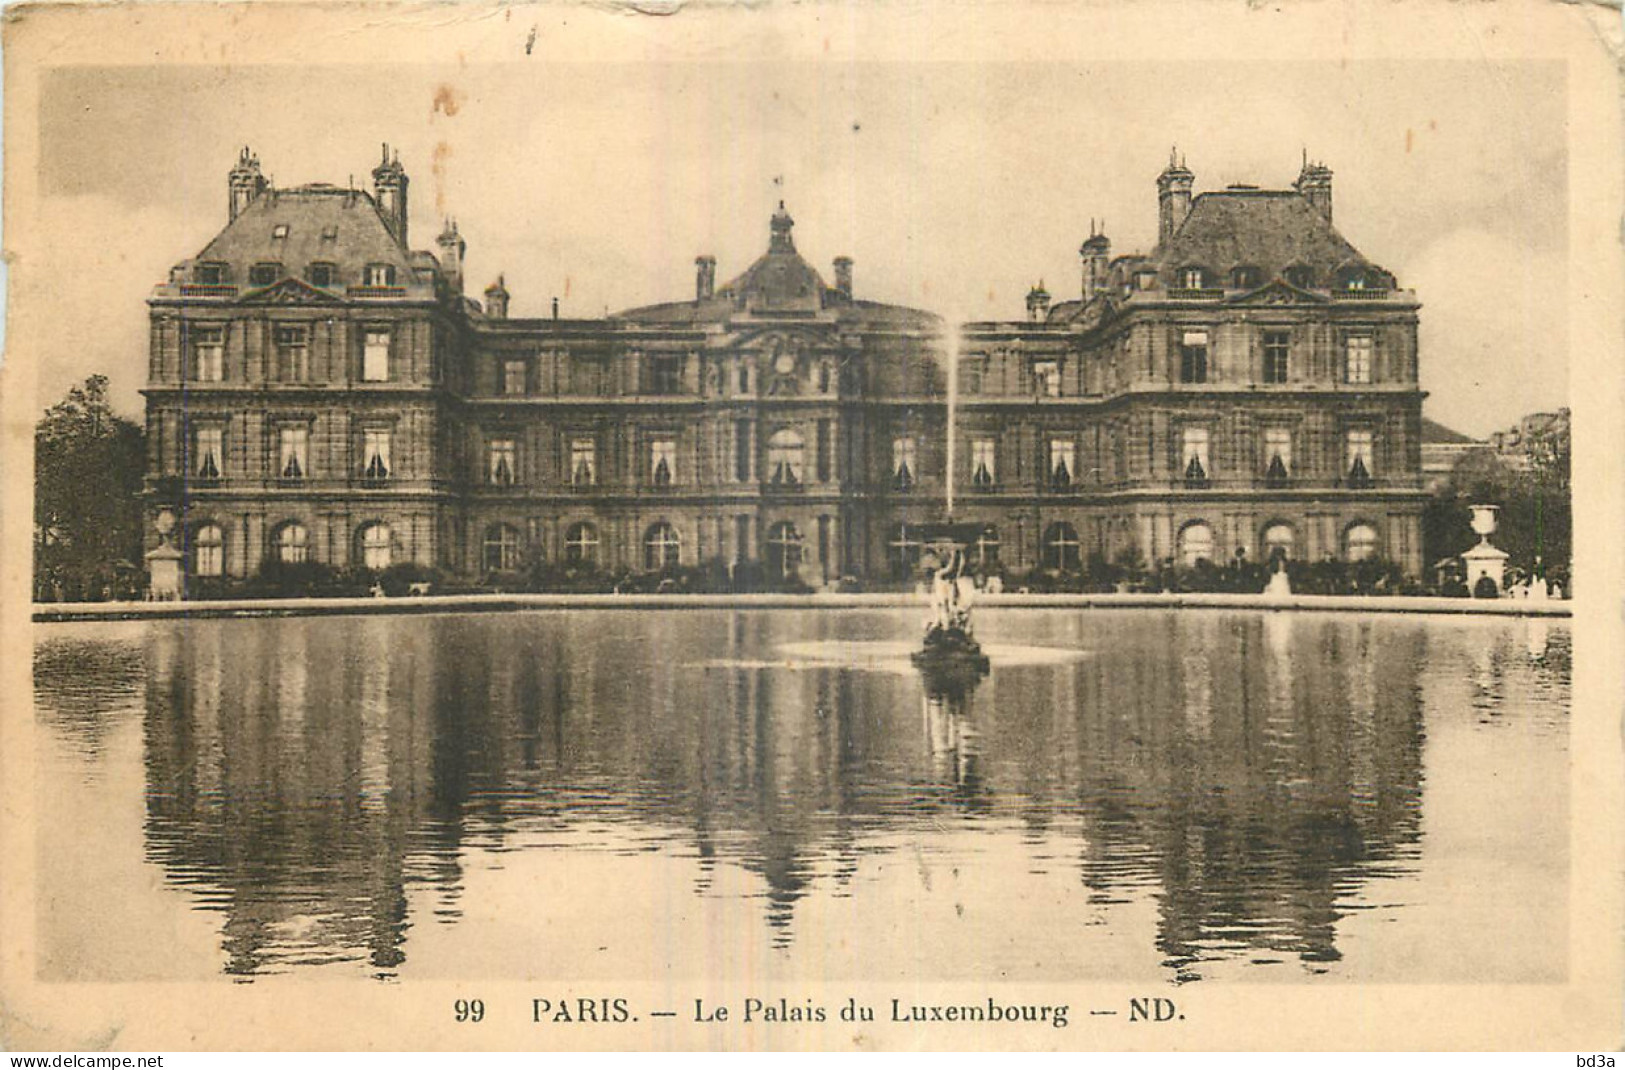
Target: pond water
{"points": [[1180, 796]]}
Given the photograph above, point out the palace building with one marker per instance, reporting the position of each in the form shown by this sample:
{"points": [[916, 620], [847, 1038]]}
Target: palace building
{"points": [[320, 391]]}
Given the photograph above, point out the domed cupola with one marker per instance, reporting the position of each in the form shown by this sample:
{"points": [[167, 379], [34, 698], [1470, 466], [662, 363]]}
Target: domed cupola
{"points": [[781, 241]]}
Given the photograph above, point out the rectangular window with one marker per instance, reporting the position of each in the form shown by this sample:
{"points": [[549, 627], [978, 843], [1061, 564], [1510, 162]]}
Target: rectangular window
{"points": [[984, 470], [375, 356], [502, 465], [1360, 464], [1357, 358], [1277, 455], [294, 456], [264, 274], [970, 375], [1194, 464], [785, 453], [1047, 378], [207, 459], [1193, 278], [1277, 347], [826, 451], [375, 463], [583, 462], [210, 274], [513, 377], [1063, 462], [293, 354], [209, 354], [380, 275], [663, 462], [321, 274], [904, 470], [665, 374], [1193, 357]]}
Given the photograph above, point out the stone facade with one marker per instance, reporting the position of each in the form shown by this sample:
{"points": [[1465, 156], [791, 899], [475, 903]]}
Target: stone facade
{"points": [[319, 391]]}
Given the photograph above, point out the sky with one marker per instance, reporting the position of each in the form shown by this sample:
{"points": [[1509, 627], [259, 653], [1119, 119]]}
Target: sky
{"points": [[954, 186]]}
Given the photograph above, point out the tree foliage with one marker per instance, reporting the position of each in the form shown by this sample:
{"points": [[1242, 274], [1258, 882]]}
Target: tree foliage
{"points": [[88, 467], [1531, 487]]}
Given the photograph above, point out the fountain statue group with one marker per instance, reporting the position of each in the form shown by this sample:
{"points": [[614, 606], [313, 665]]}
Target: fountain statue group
{"points": [[949, 650]]}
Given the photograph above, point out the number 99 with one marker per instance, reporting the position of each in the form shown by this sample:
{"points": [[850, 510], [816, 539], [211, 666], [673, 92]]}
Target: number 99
{"points": [[469, 1010]]}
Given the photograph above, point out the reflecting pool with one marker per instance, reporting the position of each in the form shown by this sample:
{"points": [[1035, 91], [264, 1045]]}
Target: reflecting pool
{"points": [[1161, 795]]}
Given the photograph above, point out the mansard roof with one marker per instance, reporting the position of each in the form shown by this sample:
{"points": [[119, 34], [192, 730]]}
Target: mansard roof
{"points": [[325, 224], [1267, 229], [779, 281]]}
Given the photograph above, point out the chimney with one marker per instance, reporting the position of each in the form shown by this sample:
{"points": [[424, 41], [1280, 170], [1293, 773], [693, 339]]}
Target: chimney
{"points": [[705, 277], [496, 300], [245, 183], [1096, 254], [843, 276], [1037, 303], [1315, 184], [452, 250], [389, 191], [1173, 197]]}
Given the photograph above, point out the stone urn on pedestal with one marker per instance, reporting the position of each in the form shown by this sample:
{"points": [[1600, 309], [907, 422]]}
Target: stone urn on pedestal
{"points": [[164, 562], [1485, 560]]}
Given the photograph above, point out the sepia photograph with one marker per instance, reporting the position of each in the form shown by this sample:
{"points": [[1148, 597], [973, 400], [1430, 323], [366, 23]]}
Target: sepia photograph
{"points": [[811, 527]]}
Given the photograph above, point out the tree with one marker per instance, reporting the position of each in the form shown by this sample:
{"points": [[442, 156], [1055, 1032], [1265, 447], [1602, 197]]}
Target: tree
{"points": [[1534, 496], [88, 467]]}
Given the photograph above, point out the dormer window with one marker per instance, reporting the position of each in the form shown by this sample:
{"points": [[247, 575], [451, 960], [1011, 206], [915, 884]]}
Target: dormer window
{"points": [[1246, 278], [330, 233], [1193, 278], [279, 231], [264, 274], [323, 274], [210, 274], [380, 275], [1352, 278], [1301, 277], [1145, 280]]}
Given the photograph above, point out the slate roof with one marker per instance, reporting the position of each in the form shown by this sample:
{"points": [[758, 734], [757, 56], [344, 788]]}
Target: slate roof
{"points": [[779, 281], [360, 236], [1267, 229], [1435, 433]]}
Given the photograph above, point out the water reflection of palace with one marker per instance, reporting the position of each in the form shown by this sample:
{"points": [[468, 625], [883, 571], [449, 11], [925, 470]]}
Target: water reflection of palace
{"points": [[305, 776]]}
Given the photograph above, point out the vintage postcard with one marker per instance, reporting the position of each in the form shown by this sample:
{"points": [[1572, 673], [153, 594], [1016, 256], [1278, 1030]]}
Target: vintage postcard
{"points": [[816, 526]]}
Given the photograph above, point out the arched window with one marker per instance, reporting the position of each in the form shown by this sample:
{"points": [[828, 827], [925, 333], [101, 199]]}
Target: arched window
{"points": [[1062, 550], [984, 552], [581, 545], [786, 453], [1352, 277], [1360, 542], [1195, 544], [1278, 540], [903, 548], [662, 548], [375, 546], [783, 549], [292, 543], [501, 548], [209, 551]]}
